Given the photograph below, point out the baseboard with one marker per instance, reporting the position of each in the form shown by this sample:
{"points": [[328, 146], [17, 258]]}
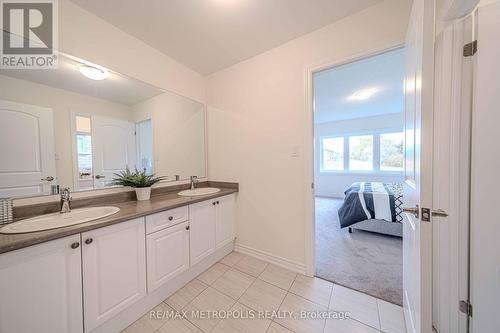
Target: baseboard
{"points": [[271, 258]]}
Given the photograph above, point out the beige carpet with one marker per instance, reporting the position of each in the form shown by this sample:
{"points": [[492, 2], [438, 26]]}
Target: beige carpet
{"points": [[364, 261]]}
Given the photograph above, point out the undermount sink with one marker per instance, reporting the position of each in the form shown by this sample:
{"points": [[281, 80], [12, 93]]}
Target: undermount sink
{"points": [[58, 220], [199, 191]]}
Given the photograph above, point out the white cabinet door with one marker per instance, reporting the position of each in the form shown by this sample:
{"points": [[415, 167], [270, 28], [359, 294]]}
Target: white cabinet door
{"points": [[224, 217], [41, 288], [27, 163], [167, 254], [202, 231], [114, 270], [114, 149]]}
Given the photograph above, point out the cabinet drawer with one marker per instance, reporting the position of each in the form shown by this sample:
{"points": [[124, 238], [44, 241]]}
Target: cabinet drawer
{"points": [[166, 219]]}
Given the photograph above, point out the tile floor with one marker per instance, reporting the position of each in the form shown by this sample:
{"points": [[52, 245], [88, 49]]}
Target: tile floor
{"points": [[243, 284]]}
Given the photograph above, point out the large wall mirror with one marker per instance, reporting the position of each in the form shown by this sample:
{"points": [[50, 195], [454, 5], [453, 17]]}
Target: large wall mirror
{"points": [[77, 125]]}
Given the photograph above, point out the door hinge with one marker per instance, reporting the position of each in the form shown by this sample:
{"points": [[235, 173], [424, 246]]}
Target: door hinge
{"points": [[470, 49], [312, 186], [465, 307]]}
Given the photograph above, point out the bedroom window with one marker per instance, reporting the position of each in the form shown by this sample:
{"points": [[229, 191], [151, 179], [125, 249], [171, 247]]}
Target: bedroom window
{"points": [[391, 151], [333, 154], [361, 153]]}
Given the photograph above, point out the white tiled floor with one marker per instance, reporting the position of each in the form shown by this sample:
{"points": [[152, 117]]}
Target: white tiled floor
{"points": [[240, 284]]}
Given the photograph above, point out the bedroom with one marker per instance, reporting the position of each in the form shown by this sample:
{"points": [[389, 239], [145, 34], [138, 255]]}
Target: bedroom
{"points": [[358, 125]]}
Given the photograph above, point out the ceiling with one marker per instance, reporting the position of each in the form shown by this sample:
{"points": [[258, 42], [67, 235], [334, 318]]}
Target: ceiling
{"points": [[209, 35], [116, 88], [333, 88]]}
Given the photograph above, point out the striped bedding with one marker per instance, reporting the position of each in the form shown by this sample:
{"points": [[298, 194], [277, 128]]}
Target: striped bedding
{"points": [[371, 200]]}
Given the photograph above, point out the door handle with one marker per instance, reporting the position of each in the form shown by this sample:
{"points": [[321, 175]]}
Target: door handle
{"points": [[99, 176], [48, 179], [412, 210], [439, 213]]}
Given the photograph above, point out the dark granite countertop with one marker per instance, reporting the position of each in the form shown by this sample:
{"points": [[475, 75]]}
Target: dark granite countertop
{"points": [[128, 210]]}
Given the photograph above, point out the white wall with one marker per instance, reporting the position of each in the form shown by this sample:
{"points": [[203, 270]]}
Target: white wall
{"points": [[257, 114], [178, 134], [86, 36], [62, 103], [333, 184]]}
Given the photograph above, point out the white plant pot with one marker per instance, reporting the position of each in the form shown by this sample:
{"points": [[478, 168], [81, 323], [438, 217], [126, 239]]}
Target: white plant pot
{"points": [[143, 193]]}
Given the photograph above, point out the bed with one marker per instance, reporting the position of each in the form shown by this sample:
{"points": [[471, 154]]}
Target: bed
{"points": [[374, 207]]}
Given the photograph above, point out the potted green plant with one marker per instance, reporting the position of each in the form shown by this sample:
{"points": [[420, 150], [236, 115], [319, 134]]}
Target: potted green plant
{"points": [[139, 180]]}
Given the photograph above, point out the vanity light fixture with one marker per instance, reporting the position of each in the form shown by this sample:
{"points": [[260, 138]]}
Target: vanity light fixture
{"points": [[93, 73], [363, 94]]}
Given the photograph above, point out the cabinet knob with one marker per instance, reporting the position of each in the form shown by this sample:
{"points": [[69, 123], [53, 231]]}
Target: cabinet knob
{"points": [[170, 218], [187, 228], [88, 241], [75, 245], [217, 201], [214, 203]]}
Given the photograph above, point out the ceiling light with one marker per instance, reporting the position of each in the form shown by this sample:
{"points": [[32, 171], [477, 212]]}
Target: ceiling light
{"points": [[363, 94], [93, 73]]}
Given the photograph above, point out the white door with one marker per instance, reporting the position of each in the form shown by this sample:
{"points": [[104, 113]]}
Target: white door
{"points": [[167, 254], [114, 270], [451, 175], [41, 288], [202, 231], [27, 158], [485, 200], [114, 148], [224, 217], [417, 233]]}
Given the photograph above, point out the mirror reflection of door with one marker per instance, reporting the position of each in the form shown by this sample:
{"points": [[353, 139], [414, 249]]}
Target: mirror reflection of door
{"points": [[104, 146], [113, 149], [27, 163]]}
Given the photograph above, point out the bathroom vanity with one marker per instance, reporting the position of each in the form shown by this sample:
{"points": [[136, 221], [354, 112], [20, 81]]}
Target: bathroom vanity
{"points": [[101, 276], [106, 263]]}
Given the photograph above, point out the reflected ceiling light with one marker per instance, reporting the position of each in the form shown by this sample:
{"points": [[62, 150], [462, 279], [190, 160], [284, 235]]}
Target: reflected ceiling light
{"points": [[226, 2], [93, 73], [363, 94]]}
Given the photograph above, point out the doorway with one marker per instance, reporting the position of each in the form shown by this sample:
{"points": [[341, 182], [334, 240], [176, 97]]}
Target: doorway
{"points": [[358, 174]]}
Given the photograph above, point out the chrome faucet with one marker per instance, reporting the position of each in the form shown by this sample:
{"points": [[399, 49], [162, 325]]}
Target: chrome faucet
{"points": [[65, 201], [194, 180]]}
